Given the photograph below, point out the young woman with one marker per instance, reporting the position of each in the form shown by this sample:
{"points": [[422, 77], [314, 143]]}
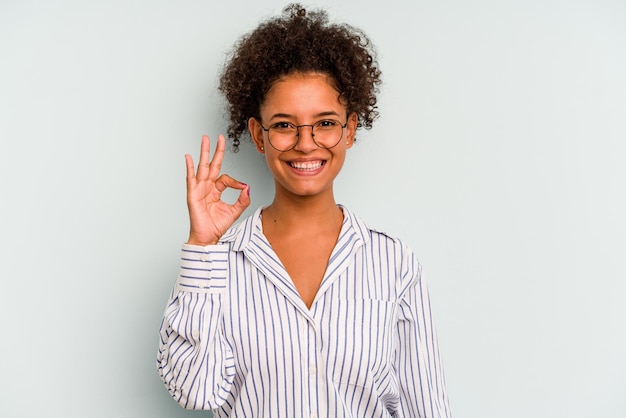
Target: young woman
{"points": [[301, 310]]}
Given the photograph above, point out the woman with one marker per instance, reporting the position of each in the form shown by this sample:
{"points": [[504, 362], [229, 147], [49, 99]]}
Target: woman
{"points": [[301, 310]]}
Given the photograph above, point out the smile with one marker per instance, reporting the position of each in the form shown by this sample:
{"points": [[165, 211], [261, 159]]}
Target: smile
{"points": [[307, 165]]}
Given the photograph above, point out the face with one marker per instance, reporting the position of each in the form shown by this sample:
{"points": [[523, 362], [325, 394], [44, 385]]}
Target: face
{"points": [[303, 99]]}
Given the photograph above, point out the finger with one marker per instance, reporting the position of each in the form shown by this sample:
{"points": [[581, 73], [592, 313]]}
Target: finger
{"points": [[218, 157], [203, 164], [190, 169], [225, 181], [243, 201]]}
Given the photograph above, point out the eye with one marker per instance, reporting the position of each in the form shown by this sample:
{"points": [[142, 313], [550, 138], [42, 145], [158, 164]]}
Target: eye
{"points": [[326, 124], [282, 127]]}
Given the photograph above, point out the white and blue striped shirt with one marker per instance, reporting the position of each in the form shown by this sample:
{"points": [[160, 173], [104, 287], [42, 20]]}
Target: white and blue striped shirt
{"points": [[237, 339]]}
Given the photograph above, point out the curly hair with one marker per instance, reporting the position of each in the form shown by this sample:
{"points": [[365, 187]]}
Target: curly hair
{"points": [[299, 41]]}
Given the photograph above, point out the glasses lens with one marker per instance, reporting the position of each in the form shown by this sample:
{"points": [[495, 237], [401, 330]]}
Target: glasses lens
{"points": [[327, 133], [283, 136]]}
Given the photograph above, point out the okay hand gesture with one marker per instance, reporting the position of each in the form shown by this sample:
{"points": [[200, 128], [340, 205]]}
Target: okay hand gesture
{"points": [[209, 216]]}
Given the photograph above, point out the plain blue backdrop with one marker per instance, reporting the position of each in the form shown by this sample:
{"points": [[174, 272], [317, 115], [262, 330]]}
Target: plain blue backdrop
{"points": [[498, 157]]}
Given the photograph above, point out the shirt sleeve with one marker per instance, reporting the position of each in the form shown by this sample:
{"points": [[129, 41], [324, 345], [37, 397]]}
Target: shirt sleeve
{"points": [[194, 360], [419, 366]]}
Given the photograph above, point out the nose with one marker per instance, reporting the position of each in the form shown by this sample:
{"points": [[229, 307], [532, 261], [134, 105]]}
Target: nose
{"points": [[305, 142]]}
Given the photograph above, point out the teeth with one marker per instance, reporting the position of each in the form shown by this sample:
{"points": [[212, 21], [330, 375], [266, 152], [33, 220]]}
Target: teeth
{"points": [[306, 166]]}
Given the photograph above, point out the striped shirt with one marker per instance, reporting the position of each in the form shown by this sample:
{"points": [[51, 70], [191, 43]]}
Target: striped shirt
{"points": [[237, 338]]}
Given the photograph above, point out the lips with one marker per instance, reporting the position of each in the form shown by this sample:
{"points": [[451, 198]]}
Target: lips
{"points": [[307, 165]]}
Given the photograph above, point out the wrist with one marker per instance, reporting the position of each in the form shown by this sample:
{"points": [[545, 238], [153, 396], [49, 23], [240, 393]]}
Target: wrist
{"points": [[199, 243]]}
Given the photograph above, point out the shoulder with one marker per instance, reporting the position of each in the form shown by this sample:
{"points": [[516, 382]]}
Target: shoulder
{"points": [[380, 241], [373, 232]]}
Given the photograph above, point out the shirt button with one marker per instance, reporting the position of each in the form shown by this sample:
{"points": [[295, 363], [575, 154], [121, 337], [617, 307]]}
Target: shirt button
{"points": [[204, 257], [195, 333], [313, 416], [312, 370]]}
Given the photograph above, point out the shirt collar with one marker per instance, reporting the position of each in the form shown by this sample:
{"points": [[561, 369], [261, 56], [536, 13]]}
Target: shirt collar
{"points": [[239, 236]]}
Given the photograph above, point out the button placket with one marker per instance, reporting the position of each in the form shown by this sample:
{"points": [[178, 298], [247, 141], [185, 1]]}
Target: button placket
{"points": [[312, 366]]}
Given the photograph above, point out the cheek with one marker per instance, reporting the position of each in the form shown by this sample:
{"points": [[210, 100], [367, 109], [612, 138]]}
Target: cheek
{"points": [[271, 159]]}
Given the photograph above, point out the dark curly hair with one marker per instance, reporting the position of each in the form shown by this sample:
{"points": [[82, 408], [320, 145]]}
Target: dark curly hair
{"points": [[299, 41]]}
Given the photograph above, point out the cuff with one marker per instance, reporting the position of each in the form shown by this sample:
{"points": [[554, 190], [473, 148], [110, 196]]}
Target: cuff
{"points": [[203, 269]]}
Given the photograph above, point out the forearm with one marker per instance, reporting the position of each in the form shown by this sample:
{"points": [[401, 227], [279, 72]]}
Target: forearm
{"points": [[420, 369], [194, 360]]}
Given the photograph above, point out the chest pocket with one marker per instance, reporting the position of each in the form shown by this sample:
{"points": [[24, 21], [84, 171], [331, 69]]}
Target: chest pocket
{"points": [[361, 341]]}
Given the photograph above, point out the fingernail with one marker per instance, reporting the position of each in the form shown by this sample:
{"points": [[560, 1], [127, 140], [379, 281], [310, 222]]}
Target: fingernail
{"points": [[243, 184], [248, 190]]}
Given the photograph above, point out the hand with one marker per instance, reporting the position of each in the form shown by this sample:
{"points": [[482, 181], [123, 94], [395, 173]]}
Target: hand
{"points": [[209, 216]]}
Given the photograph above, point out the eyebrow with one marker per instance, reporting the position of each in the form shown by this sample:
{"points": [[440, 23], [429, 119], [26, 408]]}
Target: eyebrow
{"points": [[319, 115]]}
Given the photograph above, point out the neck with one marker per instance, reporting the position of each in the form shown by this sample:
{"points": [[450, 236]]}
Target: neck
{"points": [[302, 213]]}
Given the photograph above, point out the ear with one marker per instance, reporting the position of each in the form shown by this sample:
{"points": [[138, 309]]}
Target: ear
{"points": [[256, 132], [353, 119]]}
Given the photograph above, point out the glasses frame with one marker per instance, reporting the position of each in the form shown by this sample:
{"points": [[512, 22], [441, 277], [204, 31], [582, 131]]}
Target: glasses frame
{"points": [[298, 135]]}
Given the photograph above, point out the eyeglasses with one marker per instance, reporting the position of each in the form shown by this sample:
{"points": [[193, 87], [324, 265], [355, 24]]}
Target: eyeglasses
{"points": [[326, 133]]}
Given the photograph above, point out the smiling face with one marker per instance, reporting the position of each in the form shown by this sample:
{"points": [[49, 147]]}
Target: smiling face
{"points": [[303, 99]]}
